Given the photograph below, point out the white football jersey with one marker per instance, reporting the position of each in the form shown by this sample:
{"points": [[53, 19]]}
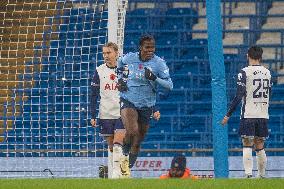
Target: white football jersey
{"points": [[257, 81], [109, 107]]}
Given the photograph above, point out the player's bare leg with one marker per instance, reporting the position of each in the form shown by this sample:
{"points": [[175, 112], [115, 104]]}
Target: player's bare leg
{"points": [[136, 144], [117, 153], [261, 158], [109, 140], [247, 156], [143, 129], [129, 118]]}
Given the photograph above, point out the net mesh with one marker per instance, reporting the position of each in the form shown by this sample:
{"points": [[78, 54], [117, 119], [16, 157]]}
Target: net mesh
{"points": [[49, 50], [122, 6]]}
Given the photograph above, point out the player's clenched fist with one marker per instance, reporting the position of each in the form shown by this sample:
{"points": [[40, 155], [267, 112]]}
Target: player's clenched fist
{"points": [[149, 74], [225, 120], [122, 85]]}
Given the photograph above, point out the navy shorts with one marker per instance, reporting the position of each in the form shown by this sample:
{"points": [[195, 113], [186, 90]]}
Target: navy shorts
{"points": [[109, 126], [251, 127], [144, 114]]}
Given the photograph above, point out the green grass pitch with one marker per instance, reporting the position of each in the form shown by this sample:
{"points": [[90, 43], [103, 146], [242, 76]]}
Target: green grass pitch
{"points": [[141, 183]]}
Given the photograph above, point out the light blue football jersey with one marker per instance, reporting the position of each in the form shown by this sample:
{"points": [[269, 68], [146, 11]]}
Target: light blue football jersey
{"points": [[141, 91]]}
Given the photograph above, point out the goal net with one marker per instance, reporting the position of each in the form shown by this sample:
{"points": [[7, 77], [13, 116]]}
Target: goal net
{"points": [[49, 50]]}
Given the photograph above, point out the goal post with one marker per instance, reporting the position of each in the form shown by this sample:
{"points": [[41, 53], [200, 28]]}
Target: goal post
{"points": [[116, 22], [45, 128]]}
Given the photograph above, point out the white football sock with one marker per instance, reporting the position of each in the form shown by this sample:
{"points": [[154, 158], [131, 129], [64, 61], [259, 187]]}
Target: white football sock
{"points": [[247, 160], [261, 160], [117, 153], [109, 163]]}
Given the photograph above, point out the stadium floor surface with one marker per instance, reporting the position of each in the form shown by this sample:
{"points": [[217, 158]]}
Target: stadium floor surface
{"points": [[141, 183]]}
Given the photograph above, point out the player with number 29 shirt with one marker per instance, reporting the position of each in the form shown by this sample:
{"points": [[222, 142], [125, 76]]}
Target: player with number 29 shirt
{"points": [[253, 89]]}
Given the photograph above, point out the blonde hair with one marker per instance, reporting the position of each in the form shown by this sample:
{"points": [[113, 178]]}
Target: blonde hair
{"points": [[112, 45]]}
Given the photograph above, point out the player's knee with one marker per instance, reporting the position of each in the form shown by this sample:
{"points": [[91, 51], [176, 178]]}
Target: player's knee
{"points": [[259, 143], [118, 141], [259, 147], [118, 137], [258, 140], [247, 141]]}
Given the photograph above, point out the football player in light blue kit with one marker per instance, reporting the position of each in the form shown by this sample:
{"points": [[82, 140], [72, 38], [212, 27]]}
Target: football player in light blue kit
{"points": [[140, 75]]}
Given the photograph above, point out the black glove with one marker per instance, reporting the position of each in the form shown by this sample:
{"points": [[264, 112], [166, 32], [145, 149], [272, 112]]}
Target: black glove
{"points": [[122, 85], [149, 74]]}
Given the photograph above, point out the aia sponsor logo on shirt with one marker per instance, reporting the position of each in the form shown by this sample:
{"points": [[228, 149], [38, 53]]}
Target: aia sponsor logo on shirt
{"points": [[111, 86]]}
